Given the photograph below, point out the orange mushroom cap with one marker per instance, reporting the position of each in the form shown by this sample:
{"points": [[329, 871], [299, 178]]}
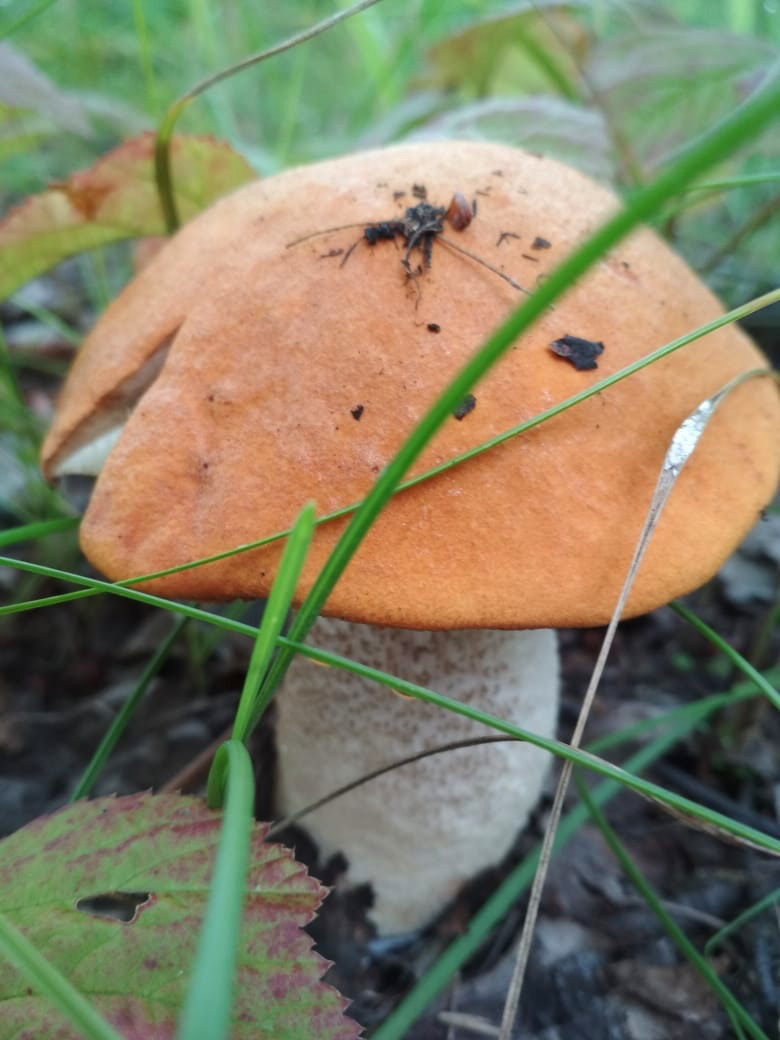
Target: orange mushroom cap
{"points": [[292, 375]]}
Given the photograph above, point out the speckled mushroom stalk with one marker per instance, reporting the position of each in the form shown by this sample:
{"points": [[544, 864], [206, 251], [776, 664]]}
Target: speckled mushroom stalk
{"points": [[419, 833], [270, 354]]}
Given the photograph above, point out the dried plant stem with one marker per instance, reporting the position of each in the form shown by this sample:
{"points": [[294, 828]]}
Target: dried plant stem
{"points": [[162, 155], [681, 448], [454, 745]]}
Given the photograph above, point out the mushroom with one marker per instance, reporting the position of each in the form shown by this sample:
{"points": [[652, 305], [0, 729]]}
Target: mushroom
{"points": [[271, 353]]}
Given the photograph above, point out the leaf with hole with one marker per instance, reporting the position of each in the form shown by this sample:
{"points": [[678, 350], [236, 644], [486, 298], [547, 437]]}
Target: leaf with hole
{"points": [[113, 893]]}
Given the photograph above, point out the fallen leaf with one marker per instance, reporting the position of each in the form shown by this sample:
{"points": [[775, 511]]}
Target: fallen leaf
{"points": [[151, 857]]}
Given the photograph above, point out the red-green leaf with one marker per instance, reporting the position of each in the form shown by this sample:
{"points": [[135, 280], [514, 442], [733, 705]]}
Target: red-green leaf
{"points": [[154, 856], [115, 198]]}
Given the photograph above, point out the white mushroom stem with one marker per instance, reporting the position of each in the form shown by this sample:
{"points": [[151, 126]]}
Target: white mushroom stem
{"points": [[419, 832]]}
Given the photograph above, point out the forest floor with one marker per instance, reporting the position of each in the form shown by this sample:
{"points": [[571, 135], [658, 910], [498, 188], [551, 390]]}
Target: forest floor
{"points": [[602, 966]]}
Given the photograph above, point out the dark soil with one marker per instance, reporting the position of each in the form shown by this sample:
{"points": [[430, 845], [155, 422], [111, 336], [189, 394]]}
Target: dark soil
{"points": [[602, 965]]}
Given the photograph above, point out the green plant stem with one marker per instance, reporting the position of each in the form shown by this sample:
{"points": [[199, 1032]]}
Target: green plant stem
{"points": [[38, 529], [162, 151], [737, 314], [731, 134], [734, 656], [397, 1025], [675, 933], [747, 915], [206, 1012], [117, 727]]}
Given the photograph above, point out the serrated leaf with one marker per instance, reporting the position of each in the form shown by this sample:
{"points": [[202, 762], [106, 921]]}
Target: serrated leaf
{"points": [[116, 198], [157, 852]]}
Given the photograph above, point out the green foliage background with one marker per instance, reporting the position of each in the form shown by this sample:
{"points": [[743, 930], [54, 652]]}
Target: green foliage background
{"points": [[618, 89], [614, 87]]}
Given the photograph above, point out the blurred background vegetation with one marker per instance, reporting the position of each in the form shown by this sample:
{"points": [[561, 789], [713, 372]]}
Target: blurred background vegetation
{"points": [[615, 87]]}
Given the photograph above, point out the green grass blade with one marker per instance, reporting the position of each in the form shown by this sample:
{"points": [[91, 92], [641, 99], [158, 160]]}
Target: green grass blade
{"points": [[117, 727], [47, 601], [733, 655], [740, 180], [754, 115], [274, 615], [675, 803], [145, 55], [683, 719], [734, 315], [691, 811], [96, 585], [46, 979], [675, 933], [697, 711], [53, 321], [39, 529], [162, 154], [747, 915], [397, 1025], [28, 16], [206, 1012]]}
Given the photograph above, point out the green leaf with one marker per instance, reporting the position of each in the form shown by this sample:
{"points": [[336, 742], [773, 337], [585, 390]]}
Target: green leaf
{"points": [[532, 47], [42, 974], [566, 130], [154, 856], [663, 84], [114, 199]]}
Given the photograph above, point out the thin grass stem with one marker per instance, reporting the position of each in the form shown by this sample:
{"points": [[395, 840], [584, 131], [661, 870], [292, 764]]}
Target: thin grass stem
{"points": [[673, 930]]}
